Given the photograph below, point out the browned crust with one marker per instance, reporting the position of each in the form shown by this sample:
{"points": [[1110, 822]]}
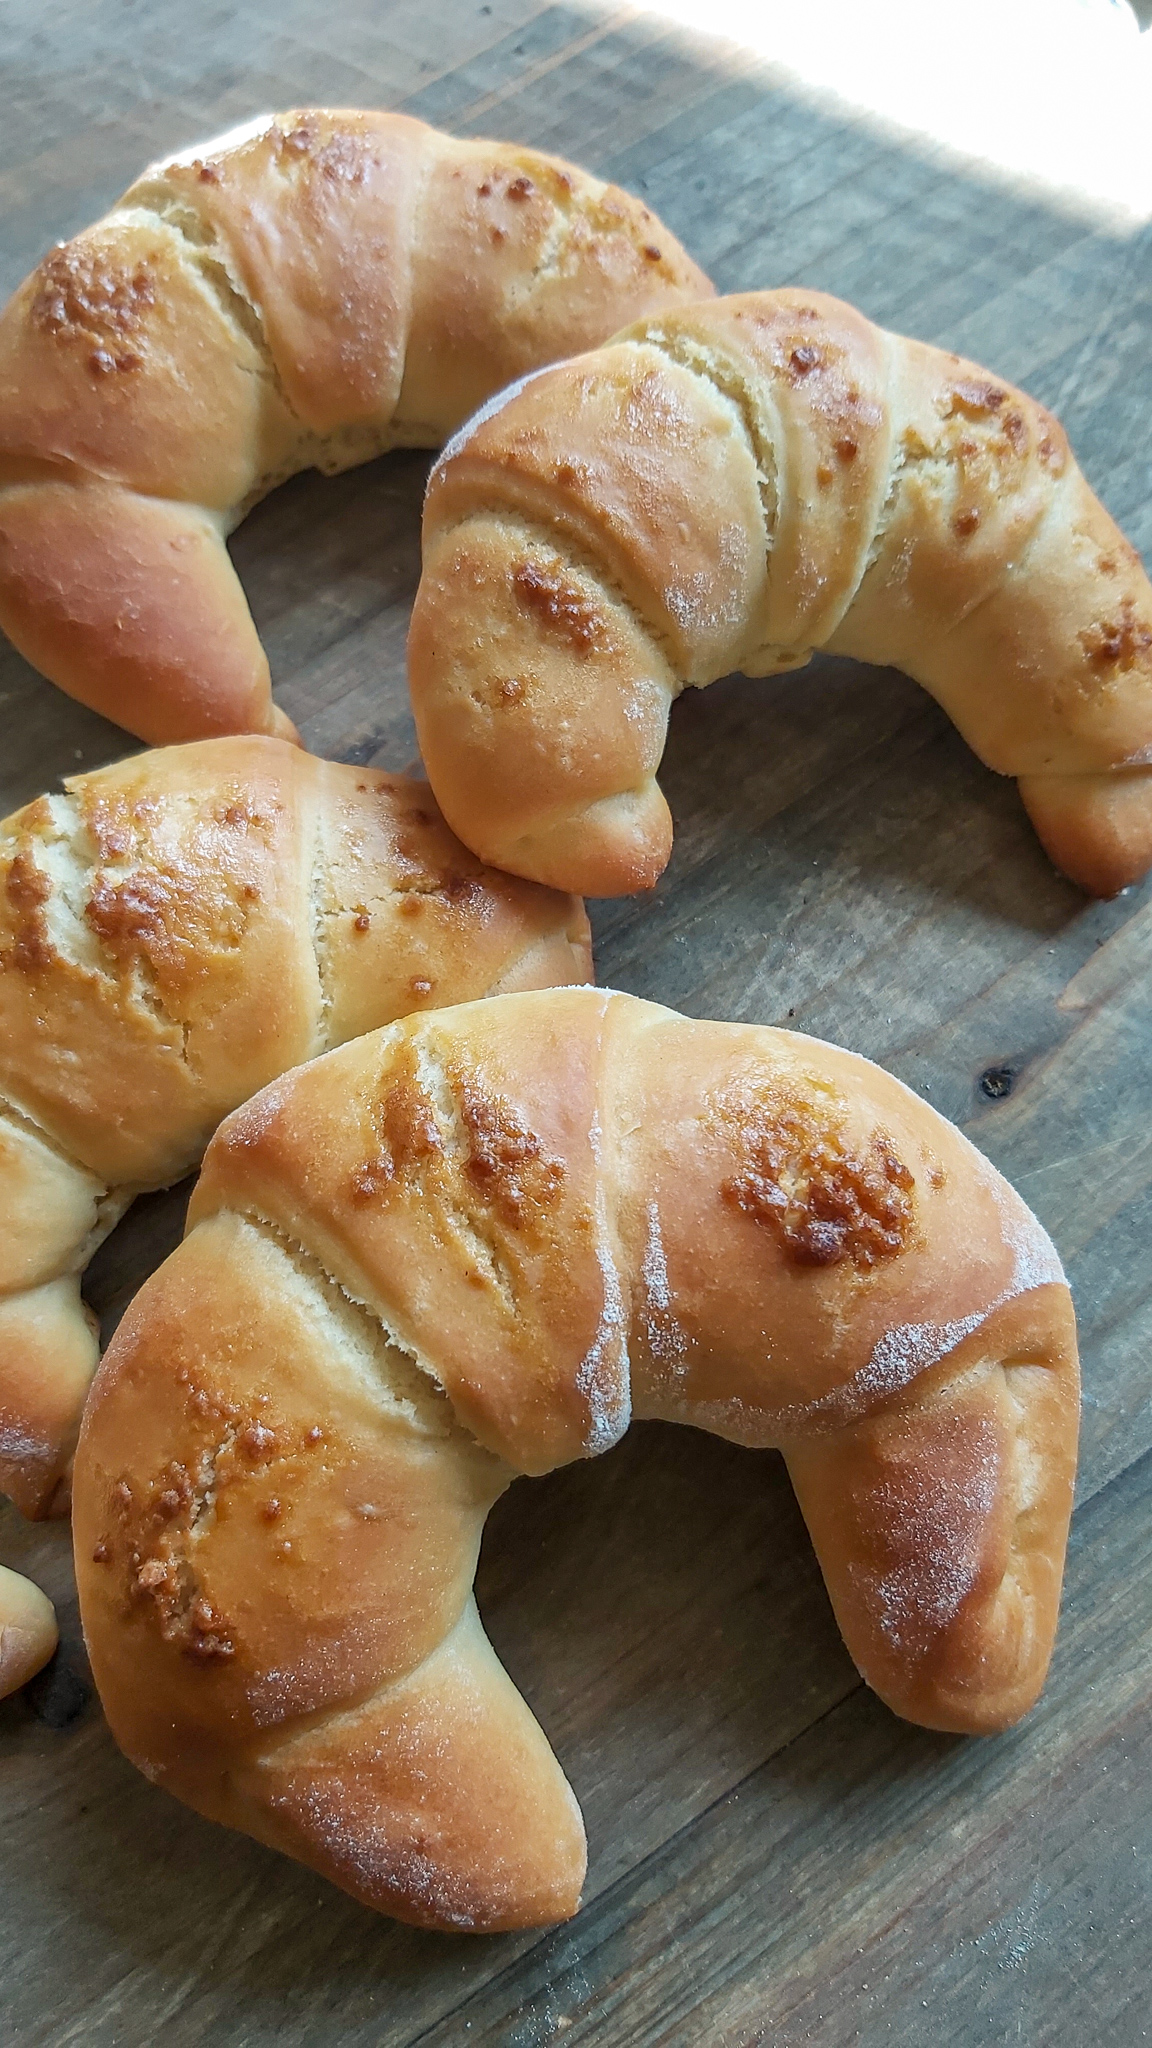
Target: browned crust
{"points": [[552, 1209]]}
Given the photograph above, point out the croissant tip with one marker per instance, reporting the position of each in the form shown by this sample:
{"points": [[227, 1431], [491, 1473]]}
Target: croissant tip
{"points": [[1097, 829]]}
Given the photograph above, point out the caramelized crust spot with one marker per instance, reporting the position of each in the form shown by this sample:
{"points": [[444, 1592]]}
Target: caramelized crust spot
{"points": [[149, 1542], [174, 905], [507, 1163], [1052, 449], [826, 1202], [131, 916], [84, 297], [1117, 643], [154, 1527], [344, 157], [974, 401], [405, 1128], [564, 611], [27, 889], [804, 359]]}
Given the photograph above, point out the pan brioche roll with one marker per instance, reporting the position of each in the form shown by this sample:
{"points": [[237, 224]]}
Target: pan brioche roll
{"points": [[175, 931], [303, 293], [731, 486], [472, 1245]]}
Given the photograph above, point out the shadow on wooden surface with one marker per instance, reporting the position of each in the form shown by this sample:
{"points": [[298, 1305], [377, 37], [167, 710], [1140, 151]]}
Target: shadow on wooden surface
{"points": [[775, 1859]]}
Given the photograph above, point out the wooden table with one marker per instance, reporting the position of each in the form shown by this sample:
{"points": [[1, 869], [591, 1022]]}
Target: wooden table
{"points": [[774, 1857]]}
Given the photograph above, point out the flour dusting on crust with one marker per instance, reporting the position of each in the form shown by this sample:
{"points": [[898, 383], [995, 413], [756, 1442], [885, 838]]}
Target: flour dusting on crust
{"points": [[667, 1338], [480, 417], [604, 1373], [934, 1519]]}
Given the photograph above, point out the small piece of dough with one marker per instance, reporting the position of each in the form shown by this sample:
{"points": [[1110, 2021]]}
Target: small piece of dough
{"points": [[304, 293], [474, 1244], [731, 486], [27, 1630]]}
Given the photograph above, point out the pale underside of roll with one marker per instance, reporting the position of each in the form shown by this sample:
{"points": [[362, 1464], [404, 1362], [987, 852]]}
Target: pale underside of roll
{"points": [[176, 930], [308, 292], [473, 1245], [731, 486]]}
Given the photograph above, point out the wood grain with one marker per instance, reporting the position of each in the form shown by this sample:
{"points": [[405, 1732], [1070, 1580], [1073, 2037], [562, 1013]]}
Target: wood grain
{"points": [[775, 1859]]}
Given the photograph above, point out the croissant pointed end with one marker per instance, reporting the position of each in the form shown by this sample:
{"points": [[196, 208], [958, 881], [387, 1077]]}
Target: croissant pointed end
{"points": [[438, 1801], [616, 847], [1096, 828]]}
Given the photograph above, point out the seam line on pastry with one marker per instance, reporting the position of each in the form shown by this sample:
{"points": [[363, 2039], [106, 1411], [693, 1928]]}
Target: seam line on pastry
{"points": [[426, 1385]]}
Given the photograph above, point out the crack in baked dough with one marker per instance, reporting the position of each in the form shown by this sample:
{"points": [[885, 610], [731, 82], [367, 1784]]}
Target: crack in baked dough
{"points": [[760, 421], [22, 1120], [403, 1373], [713, 368]]}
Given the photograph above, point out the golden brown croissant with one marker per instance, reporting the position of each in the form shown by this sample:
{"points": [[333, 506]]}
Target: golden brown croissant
{"points": [[729, 486], [304, 293], [472, 1245], [175, 931]]}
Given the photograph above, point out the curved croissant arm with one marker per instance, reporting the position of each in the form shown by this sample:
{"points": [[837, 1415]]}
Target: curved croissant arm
{"points": [[472, 1245], [307, 292], [730, 486], [175, 931]]}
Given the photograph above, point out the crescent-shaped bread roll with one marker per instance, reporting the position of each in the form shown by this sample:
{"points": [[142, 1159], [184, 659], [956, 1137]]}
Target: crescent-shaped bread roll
{"points": [[731, 486], [471, 1245], [307, 292], [175, 931]]}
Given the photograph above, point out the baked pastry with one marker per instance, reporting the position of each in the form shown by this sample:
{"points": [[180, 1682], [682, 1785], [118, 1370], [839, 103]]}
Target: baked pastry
{"points": [[730, 486], [27, 1630], [305, 292], [471, 1245], [175, 931]]}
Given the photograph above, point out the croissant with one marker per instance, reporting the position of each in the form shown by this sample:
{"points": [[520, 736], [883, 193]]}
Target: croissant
{"points": [[306, 292], [470, 1246], [730, 486], [175, 931]]}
